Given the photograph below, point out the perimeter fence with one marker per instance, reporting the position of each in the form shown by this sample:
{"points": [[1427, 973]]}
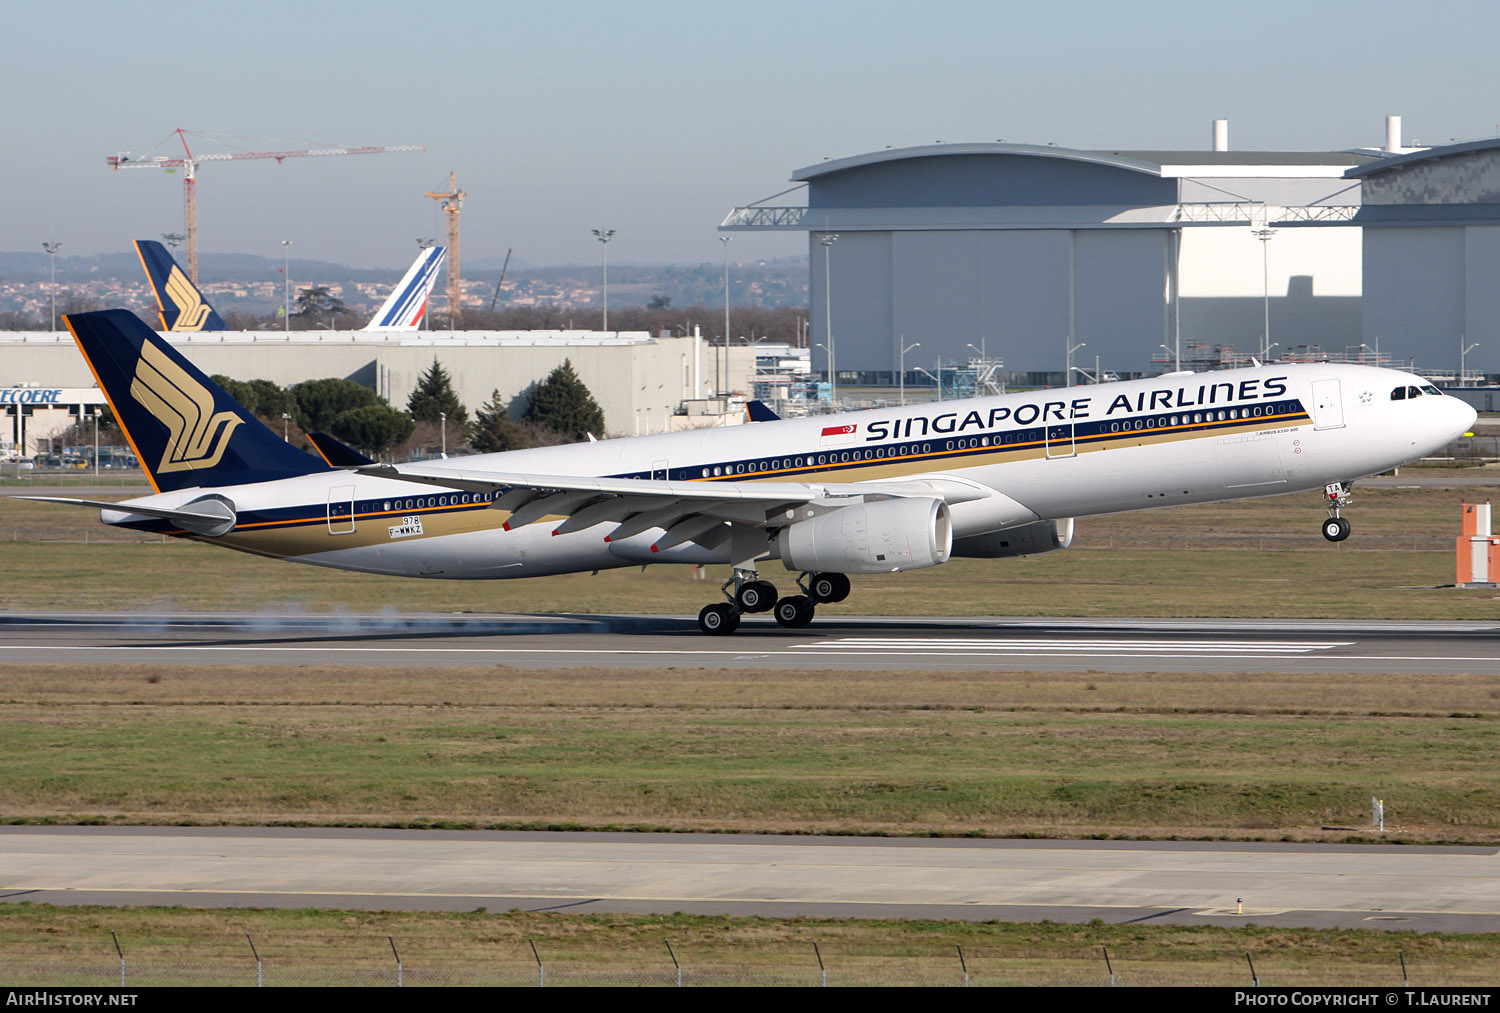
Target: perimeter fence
{"points": [[686, 966]]}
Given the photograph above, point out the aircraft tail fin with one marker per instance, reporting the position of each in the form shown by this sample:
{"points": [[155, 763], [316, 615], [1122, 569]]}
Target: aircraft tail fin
{"points": [[186, 431], [404, 307], [181, 305]]}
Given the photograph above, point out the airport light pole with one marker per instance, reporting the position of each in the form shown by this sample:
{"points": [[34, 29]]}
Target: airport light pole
{"points": [[1264, 235], [725, 240], [443, 421], [286, 283], [1463, 354], [1071, 350], [828, 239], [604, 236], [52, 249], [908, 348]]}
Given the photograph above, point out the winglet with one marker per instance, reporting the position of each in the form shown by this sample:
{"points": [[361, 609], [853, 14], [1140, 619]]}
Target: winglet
{"points": [[758, 412], [179, 303], [338, 455]]}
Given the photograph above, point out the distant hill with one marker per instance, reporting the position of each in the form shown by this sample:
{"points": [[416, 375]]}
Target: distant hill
{"points": [[110, 278]]}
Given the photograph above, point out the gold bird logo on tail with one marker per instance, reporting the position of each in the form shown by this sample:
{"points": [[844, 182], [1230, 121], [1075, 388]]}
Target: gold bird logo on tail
{"points": [[198, 436], [192, 311]]}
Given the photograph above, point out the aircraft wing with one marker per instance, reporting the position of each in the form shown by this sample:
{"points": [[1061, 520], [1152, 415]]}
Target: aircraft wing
{"points": [[690, 511]]}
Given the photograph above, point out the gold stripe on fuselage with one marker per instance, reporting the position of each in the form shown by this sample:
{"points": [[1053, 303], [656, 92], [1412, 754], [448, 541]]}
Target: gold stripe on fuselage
{"points": [[310, 534]]}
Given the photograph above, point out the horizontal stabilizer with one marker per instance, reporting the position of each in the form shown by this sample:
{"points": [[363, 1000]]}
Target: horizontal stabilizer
{"points": [[208, 516]]}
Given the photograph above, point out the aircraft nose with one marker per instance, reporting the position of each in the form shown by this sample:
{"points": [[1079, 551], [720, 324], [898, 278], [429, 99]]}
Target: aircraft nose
{"points": [[1461, 416]]}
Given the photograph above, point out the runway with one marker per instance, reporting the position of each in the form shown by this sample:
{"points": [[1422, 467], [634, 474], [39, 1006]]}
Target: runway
{"points": [[1412, 888], [831, 642]]}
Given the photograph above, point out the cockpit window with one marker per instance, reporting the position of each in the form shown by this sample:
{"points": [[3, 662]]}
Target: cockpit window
{"points": [[1429, 389], [1414, 392], [1399, 394]]}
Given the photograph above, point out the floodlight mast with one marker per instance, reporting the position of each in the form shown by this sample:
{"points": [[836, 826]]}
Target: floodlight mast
{"points": [[189, 165]]}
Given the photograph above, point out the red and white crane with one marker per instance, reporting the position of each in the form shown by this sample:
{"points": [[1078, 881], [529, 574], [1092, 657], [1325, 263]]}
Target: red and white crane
{"points": [[189, 164]]}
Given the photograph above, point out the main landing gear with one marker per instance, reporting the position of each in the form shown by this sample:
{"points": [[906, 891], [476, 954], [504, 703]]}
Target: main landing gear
{"points": [[751, 594], [1338, 494]]}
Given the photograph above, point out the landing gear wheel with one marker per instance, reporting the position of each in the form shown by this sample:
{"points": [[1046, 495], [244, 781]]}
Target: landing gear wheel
{"points": [[718, 620], [756, 596], [1336, 529], [794, 611], [828, 587]]}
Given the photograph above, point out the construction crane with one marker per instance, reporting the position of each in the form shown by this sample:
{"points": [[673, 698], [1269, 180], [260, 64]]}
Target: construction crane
{"points": [[503, 268], [189, 164], [452, 203]]}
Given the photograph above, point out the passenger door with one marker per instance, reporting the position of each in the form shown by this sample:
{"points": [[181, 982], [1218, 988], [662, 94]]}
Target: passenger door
{"points": [[1328, 405], [341, 510]]}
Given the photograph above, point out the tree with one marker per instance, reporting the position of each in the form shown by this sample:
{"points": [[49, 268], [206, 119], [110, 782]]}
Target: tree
{"points": [[434, 396], [373, 428], [319, 402], [318, 300], [659, 302], [563, 404], [494, 430], [258, 397]]}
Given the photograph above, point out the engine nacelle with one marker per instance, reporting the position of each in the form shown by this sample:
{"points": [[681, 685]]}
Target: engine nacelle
{"points": [[1024, 540], [872, 537]]}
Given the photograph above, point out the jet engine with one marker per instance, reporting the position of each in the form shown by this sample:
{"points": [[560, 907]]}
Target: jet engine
{"points": [[1023, 540], [877, 536]]}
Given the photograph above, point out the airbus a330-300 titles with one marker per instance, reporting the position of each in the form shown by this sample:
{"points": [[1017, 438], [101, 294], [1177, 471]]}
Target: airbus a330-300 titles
{"points": [[869, 492]]}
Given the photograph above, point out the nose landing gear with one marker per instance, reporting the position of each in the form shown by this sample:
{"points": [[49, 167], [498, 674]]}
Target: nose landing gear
{"points": [[1336, 528]]}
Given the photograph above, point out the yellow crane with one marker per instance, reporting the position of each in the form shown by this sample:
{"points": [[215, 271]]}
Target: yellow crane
{"points": [[452, 203], [189, 164]]}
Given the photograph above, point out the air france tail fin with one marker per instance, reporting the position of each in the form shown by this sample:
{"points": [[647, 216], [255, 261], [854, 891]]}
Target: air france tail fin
{"points": [[182, 306], [405, 305], [186, 431]]}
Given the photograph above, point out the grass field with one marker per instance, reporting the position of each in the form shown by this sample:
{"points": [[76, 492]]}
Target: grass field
{"points": [[315, 947], [953, 753], [1256, 558], [991, 753]]}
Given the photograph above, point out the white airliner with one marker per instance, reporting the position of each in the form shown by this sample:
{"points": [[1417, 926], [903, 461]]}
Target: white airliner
{"points": [[868, 492]]}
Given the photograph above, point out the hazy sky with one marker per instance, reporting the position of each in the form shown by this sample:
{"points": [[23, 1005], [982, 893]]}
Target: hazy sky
{"points": [[654, 117]]}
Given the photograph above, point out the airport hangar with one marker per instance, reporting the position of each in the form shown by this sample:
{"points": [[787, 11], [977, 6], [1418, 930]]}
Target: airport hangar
{"points": [[640, 381], [1146, 260]]}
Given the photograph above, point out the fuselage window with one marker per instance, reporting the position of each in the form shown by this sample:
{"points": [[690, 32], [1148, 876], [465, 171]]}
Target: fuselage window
{"points": [[705, 472], [718, 471], [387, 504]]}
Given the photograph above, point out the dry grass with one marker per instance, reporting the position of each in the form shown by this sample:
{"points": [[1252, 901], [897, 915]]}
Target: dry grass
{"points": [[44, 944], [993, 753]]}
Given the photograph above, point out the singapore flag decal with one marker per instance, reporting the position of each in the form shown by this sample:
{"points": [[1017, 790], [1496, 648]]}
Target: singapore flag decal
{"points": [[838, 436]]}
